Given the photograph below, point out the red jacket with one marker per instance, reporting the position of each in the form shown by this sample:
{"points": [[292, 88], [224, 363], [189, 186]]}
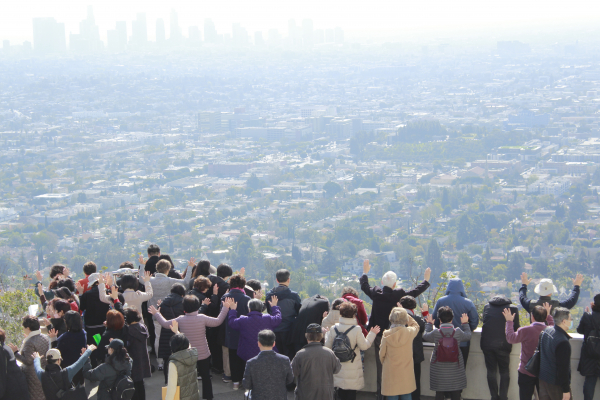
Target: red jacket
{"points": [[361, 315], [83, 282]]}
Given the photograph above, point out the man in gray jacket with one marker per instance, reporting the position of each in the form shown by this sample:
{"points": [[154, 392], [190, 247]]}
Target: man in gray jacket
{"points": [[314, 367]]}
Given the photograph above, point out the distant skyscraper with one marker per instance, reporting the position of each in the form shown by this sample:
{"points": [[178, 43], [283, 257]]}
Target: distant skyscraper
{"points": [[160, 31], [116, 39], [88, 39], [274, 37], [174, 28], [139, 31], [307, 32], [329, 36], [210, 33], [319, 36], [48, 36], [339, 35], [239, 35], [258, 39], [292, 31], [194, 34]]}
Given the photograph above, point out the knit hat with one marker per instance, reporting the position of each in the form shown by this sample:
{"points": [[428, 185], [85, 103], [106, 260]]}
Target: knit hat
{"points": [[314, 328], [93, 278], [545, 287], [53, 354], [115, 344]]}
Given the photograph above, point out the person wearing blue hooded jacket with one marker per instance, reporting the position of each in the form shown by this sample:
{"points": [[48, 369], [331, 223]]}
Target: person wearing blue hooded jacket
{"points": [[456, 299]]}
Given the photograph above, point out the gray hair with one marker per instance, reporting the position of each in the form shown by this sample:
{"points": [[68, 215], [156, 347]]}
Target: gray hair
{"points": [[561, 314], [389, 279], [255, 305]]}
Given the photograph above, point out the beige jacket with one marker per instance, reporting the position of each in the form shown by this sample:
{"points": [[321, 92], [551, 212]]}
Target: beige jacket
{"points": [[396, 354]]}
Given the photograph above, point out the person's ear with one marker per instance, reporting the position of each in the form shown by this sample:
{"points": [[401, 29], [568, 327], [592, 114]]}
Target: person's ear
{"points": [[394, 287]]}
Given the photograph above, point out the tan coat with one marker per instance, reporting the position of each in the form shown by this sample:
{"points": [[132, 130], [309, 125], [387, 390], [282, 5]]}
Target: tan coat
{"points": [[351, 375], [396, 354]]}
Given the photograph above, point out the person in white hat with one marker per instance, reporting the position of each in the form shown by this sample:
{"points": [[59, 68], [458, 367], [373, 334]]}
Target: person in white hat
{"points": [[545, 288]]}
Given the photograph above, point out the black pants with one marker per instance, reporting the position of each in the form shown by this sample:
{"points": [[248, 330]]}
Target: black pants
{"points": [[526, 386], [140, 391], [346, 394], [96, 355], [203, 367], [237, 366], [151, 331], [589, 387], [377, 343], [465, 353], [497, 360], [284, 345], [455, 395], [416, 395], [216, 350]]}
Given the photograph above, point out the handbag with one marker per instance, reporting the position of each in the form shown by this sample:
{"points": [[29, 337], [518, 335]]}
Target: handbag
{"points": [[73, 393], [177, 393], [533, 365]]}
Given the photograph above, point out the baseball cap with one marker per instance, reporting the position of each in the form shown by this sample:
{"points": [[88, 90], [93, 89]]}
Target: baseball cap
{"points": [[115, 344], [53, 354], [314, 328]]}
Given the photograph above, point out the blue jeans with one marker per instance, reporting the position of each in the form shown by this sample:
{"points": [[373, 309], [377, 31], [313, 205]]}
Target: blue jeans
{"points": [[589, 387], [407, 396]]}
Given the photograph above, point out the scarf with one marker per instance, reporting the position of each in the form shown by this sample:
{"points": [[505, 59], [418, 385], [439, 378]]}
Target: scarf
{"points": [[31, 334]]}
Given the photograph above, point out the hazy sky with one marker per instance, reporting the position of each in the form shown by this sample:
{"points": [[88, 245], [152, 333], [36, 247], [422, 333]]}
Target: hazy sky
{"points": [[364, 18]]}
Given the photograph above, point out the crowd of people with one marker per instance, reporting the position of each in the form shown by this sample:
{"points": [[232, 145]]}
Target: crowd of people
{"points": [[211, 321]]}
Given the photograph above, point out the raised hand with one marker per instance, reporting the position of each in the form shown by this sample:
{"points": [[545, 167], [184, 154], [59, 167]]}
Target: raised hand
{"points": [[101, 279], [507, 315], [230, 303], [141, 260], [38, 275], [427, 274], [109, 279], [53, 333], [192, 262], [206, 301], [376, 329], [429, 319], [399, 305], [91, 347], [44, 321], [464, 318], [13, 347], [548, 307], [66, 272], [273, 301], [175, 327], [424, 307], [146, 277], [524, 279], [79, 288], [152, 310], [243, 271], [578, 280], [36, 355], [114, 293], [366, 267]]}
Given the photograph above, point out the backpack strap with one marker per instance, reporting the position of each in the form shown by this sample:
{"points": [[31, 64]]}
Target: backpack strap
{"points": [[347, 330], [336, 330]]}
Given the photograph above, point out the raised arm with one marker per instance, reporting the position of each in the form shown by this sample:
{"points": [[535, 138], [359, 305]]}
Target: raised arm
{"points": [[159, 318], [212, 322], [74, 368], [523, 292], [571, 301], [421, 287]]}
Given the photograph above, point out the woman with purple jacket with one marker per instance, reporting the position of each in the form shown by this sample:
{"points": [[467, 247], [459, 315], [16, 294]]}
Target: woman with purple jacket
{"points": [[249, 325]]}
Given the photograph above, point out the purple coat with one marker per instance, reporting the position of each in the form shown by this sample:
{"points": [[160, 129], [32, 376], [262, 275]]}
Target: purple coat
{"points": [[249, 326]]}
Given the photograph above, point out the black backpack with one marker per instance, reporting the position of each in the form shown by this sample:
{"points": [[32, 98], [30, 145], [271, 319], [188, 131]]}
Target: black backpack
{"points": [[122, 387], [342, 348], [592, 341]]}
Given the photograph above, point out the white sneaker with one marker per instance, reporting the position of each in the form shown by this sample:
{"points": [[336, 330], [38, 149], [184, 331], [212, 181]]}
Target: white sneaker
{"points": [[236, 385], [160, 367]]}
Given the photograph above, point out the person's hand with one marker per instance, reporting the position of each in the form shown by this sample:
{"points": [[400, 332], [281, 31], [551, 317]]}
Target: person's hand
{"points": [[464, 318], [509, 316], [216, 289], [44, 321], [13, 347], [325, 314], [192, 262], [578, 280], [152, 310], [141, 260], [429, 319], [79, 288], [38, 275], [273, 301], [109, 279], [424, 307], [53, 333], [376, 329], [146, 277], [230, 303], [101, 279], [566, 396], [243, 271], [159, 302], [524, 279], [366, 267], [548, 307], [40, 289], [206, 301], [114, 293], [36, 355], [587, 309], [175, 326], [427, 274]]}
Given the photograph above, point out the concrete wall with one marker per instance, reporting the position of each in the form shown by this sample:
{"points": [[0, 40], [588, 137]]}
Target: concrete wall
{"points": [[477, 388]]}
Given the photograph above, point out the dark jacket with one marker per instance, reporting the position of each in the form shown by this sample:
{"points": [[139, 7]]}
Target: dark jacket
{"points": [[314, 367], [151, 264], [95, 309], [170, 308], [494, 323], [106, 374], [13, 384], [528, 304], [456, 299], [555, 358], [385, 299], [204, 309], [267, 375], [136, 346], [418, 355], [54, 379], [311, 312], [215, 307], [108, 334], [288, 302], [70, 345], [232, 336], [588, 366], [58, 324]]}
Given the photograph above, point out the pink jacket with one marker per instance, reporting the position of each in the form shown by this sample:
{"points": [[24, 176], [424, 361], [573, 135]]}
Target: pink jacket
{"points": [[529, 337], [361, 316]]}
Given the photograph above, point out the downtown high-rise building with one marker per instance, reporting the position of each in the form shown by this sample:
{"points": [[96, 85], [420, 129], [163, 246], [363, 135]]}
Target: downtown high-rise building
{"points": [[161, 35], [210, 33], [116, 39], [307, 32], [88, 38], [139, 31], [175, 30], [48, 36]]}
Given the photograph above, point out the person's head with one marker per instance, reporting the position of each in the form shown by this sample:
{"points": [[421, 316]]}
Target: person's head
{"points": [[129, 281], [190, 304], [539, 314], [408, 302], [256, 286], [53, 357], [337, 303], [237, 281], [66, 283], [73, 321], [63, 293], [153, 250], [168, 258], [56, 271], [389, 279], [348, 310], [445, 314], [126, 265], [255, 305], [2, 337], [30, 323], [398, 316], [314, 333], [283, 277], [132, 315], [596, 304], [60, 306], [202, 268], [163, 267], [178, 289], [562, 318], [89, 268], [266, 340], [350, 290], [93, 279], [224, 271], [114, 320], [202, 284], [117, 353], [179, 342], [545, 288]]}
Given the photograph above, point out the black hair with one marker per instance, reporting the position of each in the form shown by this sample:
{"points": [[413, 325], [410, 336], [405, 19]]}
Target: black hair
{"points": [[191, 303], [202, 268], [224, 270], [66, 283], [60, 305], [254, 284], [126, 264], [63, 293], [168, 258], [337, 303], [129, 281], [282, 275], [445, 314], [117, 357], [266, 338], [179, 289], [89, 268], [408, 302], [179, 342], [73, 321], [237, 281], [56, 269], [153, 250], [31, 322], [539, 314], [131, 315]]}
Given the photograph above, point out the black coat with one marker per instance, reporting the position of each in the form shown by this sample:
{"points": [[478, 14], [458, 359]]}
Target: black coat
{"points": [[170, 308], [204, 309], [311, 312], [151, 264], [95, 310], [136, 346], [58, 324], [108, 334], [493, 336], [418, 355], [13, 384], [588, 366]]}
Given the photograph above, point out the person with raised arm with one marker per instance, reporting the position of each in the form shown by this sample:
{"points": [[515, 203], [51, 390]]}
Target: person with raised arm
{"points": [[546, 289]]}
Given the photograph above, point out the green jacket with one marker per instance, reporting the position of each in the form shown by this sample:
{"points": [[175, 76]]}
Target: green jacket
{"points": [[185, 361]]}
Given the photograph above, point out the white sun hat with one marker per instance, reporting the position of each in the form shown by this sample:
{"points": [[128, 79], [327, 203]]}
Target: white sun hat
{"points": [[545, 287]]}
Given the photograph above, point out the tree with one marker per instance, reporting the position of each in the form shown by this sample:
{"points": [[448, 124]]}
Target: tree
{"points": [[244, 250], [41, 240], [516, 265], [433, 258], [462, 235], [255, 183], [445, 198], [331, 189]]}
